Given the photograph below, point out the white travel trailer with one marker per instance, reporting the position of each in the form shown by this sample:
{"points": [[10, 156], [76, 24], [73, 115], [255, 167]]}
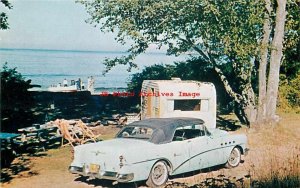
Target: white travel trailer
{"points": [[177, 98]]}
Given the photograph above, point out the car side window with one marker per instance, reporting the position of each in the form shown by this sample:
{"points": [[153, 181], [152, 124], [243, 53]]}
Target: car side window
{"points": [[185, 134], [179, 135]]}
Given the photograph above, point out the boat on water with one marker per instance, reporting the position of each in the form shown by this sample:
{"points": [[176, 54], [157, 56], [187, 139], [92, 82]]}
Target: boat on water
{"points": [[59, 88], [75, 86]]}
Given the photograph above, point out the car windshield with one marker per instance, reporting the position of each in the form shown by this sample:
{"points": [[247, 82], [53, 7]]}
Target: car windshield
{"points": [[135, 132]]}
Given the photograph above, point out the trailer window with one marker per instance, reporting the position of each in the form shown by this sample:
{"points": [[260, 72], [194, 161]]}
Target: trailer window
{"points": [[187, 105]]}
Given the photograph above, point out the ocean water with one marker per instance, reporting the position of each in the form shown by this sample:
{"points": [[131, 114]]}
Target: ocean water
{"points": [[50, 67]]}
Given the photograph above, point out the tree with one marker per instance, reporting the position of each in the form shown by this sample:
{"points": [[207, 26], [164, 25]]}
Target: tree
{"points": [[3, 16], [272, 47], [155, 72], [289, 94], [220, 32], [15, 99], [291, 61], [275, 59]]}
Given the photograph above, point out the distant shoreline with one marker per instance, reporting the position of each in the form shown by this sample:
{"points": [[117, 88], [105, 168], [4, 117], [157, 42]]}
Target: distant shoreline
{"points": [[59, 50], [77, 51], [46, 67]]}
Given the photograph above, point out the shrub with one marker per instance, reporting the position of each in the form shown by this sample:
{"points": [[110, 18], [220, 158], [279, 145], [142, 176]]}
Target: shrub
{"points": [[16, 100], [289, 94]]}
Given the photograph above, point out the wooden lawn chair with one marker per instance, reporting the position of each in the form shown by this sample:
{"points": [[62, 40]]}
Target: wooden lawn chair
{"points": [[87, 132], [68, 133]]}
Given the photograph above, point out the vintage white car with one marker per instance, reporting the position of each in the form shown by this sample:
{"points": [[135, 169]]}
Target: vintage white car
{"points": [[154, 149]]}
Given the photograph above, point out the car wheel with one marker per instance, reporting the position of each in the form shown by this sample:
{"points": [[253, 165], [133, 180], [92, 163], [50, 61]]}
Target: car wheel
{"points": [[234, 158], [159, 175]]}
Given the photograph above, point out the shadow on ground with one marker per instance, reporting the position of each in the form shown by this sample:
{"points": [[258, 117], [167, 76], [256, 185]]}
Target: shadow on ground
{"points": [[210, 182], [216, 182], [21, 165], [227, 124], [108, 183]]}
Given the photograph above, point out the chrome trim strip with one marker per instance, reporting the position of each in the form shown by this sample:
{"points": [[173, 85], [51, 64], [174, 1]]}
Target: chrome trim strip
{"points": [[200, 154]]}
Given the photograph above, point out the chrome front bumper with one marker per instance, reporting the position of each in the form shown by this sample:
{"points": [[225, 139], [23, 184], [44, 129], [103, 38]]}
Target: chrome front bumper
{"points": [[103, 175]]}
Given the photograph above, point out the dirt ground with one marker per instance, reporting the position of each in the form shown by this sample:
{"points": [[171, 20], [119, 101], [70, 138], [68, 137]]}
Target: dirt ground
{"points": [[272, 148]]}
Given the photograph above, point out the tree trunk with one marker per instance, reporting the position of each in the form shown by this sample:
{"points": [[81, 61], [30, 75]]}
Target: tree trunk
{"points": [[262, 71], [275, 60], [244, 107], [250, 105]]}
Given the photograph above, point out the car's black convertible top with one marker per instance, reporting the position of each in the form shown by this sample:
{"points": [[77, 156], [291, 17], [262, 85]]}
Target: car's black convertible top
{"points": [[164, 128]]}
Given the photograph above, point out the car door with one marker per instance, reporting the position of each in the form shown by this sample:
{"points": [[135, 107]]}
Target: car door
{"points": [[204, 151], [214, 151], [199, 152], [197, 149], [179, 156]]}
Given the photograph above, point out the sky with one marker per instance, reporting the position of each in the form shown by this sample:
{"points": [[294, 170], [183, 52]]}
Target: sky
{"points": [[53, 24]]}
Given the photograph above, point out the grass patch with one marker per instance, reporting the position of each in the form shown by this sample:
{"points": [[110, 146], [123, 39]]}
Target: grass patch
{"points": [[276, 181]]}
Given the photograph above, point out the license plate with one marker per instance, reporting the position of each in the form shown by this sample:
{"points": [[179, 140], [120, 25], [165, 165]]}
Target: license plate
{"points": [[94, 168]]}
